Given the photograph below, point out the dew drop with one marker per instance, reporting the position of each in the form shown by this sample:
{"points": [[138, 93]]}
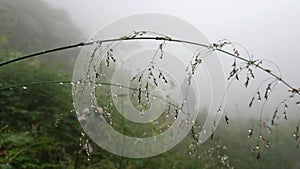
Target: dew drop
{"points": [[142, 113], [269, 130], [250, 132], [138, 140], [61, 83], [24, 87]]}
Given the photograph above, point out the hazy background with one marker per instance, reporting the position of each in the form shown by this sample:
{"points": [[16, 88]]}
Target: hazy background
{"points": [[268, 29], [38, 125]]}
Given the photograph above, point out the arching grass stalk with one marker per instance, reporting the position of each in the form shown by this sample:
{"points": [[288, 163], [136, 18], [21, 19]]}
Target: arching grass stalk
{"points": [[160, 38]]}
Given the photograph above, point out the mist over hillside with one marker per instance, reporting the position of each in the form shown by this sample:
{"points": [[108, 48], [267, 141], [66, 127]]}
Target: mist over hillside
{"points": [[30, 26]]}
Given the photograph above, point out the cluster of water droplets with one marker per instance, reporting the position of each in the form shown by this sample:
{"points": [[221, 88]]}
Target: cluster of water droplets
{"points": [[85, 145]]}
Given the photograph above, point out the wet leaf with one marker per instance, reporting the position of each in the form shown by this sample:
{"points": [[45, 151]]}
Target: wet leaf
{"points": [[234, 63], [267, 70], [250, 133], [259, 97], [284, 115], [267, 91], [251, 102], [227, 119], [247, 82], [258, 156], [236, 52], [133, 78], [212, 136]]}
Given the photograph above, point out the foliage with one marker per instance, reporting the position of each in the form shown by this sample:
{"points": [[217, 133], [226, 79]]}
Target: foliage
{"points": [[28, 26]]}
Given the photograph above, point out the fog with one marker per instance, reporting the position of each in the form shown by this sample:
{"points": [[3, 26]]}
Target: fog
{"points": [[268, 29], [140, 87]]}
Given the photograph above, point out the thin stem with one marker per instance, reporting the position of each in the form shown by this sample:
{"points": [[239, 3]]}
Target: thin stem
{"points": [[70, 82], [41, 53], [260, 67], [147, 38]]}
